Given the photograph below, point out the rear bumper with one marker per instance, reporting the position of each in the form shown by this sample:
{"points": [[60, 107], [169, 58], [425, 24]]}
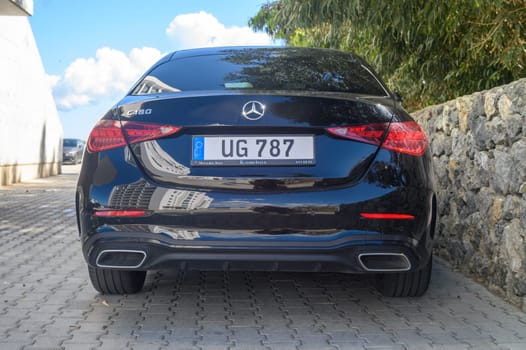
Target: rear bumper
{"points": [[317, 229], [69, 157], [339, 253]]}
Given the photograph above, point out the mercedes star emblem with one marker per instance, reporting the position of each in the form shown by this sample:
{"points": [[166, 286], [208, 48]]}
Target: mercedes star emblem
{"points": [[253, 110]]}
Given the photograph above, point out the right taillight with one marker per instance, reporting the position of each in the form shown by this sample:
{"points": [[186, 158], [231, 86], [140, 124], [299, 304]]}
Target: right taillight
{"points": [[110, 134], [406, 137], [402, 137]]}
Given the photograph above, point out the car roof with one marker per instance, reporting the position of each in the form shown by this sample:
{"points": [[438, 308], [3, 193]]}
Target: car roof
{"points": [[229, 49], [69, 139]]}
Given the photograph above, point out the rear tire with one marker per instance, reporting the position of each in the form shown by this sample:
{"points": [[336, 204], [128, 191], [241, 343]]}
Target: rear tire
{"points": [[107, 281], [405, 284]]}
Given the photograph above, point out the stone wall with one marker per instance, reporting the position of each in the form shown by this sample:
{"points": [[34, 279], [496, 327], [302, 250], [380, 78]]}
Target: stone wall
{"points": [[479, 152]]}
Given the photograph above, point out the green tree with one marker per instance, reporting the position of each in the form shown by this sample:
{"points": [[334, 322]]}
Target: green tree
{"points": [[429, 51]]}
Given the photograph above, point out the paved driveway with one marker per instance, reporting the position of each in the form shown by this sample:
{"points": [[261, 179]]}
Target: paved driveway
{"points": [[46, 301]]}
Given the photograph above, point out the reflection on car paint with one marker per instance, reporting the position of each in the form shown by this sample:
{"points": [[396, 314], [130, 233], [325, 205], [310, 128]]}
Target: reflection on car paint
{"points": [[143, 195], [174, 234], [159, 162]]}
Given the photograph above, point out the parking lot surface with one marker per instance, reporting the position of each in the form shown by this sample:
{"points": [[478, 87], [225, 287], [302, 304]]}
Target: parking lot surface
{"points": [[47, 302]]}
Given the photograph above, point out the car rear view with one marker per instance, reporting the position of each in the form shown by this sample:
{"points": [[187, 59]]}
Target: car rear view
{"points": [[72, 150], [273, 159]]}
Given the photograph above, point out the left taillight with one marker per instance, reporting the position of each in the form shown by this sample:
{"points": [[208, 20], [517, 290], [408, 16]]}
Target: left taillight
{"points": [[110, 134]]}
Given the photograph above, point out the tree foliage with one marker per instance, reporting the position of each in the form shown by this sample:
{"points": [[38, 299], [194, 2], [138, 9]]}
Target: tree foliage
{"points": [[430, 51]]}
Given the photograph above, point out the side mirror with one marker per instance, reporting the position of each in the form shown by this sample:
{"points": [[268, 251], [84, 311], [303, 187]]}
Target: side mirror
{"points": [[397, 97]]}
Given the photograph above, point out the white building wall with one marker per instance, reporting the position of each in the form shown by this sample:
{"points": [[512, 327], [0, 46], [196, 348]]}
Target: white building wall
{"points": [[30, 129]]}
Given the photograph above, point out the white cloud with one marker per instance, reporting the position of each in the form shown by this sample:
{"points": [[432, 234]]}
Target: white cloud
{"points": [[52, 80], [203, 30], [109, 73]]}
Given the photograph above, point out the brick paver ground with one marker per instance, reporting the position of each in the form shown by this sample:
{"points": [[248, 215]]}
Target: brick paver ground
{"points": [[47, 302]]}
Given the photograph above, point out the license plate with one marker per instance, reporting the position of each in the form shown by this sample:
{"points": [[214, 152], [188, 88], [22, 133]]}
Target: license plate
{"points": [[296, 150]]}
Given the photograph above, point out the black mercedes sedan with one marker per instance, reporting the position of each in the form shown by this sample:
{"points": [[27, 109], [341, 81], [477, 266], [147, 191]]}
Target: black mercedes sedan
{"points": [[258, 158]]}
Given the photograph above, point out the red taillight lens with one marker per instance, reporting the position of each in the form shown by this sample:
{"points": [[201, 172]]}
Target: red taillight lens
{"points": [[368, 133], [106, 134], [138, 132], [109, 134], [406, 137], [387, 216], [120, 213], [402, 137]]}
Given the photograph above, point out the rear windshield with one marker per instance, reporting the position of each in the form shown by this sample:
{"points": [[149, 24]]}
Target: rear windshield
{"points": [[264, 69], [70, 143]]}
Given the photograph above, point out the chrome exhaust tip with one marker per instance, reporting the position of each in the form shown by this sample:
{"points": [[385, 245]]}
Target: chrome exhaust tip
{"points": [[120, 258], [384, 262]]}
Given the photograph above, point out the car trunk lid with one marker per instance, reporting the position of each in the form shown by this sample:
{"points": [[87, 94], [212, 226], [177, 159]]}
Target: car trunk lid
{"points": [[255, 141]]}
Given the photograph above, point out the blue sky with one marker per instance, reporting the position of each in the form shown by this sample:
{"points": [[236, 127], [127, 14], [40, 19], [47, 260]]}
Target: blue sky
{"points": [[94, 50]]}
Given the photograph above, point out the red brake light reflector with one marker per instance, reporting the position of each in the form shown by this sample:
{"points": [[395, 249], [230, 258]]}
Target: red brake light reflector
{"points": [[387, 216], [110, 134], [402, 137], [120, 213]]}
